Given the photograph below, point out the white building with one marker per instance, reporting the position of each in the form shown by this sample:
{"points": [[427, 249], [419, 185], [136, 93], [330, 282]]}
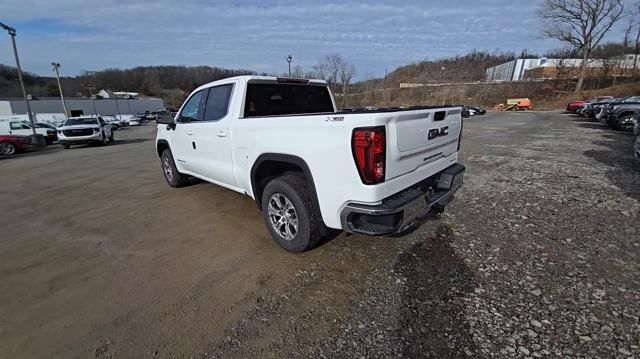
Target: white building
{"points": [[515, 70]]}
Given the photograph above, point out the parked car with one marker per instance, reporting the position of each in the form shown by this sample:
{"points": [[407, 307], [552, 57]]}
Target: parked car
{"points": [[85, 130], [477, 110], [12, 144], [19, 127], [636, 132], [311, 169], [468, 111], [608, 106], [112, 120], [573, 106], [52, 132], [621, 118], [593, 109]]}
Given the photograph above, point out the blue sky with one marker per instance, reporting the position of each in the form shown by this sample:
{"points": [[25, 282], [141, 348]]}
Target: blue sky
{"points": [[253, 34]]}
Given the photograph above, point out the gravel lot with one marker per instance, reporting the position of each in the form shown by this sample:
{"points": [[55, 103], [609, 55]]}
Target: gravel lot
{"points": [[537, 257]]}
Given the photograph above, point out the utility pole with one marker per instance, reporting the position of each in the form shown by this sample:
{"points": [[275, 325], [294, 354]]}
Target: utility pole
{"points": [[37, 140], [128, 104], [56, 67], [117, 106], [289, 59], [93, 101]]}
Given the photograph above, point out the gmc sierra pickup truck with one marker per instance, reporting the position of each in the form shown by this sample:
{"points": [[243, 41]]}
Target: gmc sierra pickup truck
{"points": [[310, 168]]}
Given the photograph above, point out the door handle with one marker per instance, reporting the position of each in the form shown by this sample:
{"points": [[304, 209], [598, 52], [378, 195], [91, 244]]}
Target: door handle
{"points": [[221, 134], [189, 133]]}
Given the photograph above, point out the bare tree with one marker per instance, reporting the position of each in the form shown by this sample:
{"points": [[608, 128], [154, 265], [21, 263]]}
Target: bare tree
{"points": [[298, 72], [321, 70], [337, 72], [346, 73], [581, 24], [634, 25], [328, 68]]}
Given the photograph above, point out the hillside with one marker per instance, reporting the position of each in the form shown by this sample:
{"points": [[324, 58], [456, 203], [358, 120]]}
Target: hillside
{"points": [[546, 95], [172, 83]]}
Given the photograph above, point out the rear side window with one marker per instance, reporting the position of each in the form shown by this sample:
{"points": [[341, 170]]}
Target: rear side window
{"points": [[273, 99], [217, 102]]}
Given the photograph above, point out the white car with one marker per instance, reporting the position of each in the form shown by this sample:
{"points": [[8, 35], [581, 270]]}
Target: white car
{"points": [[310, 168], [85, 130], [17, 126]]}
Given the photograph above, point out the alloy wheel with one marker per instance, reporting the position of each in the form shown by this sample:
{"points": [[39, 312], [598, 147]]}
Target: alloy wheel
{"points": [[283, 217]]}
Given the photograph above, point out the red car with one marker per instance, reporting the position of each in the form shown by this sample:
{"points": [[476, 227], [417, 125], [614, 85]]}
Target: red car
{"points": [[572, 106], [10, 144]]}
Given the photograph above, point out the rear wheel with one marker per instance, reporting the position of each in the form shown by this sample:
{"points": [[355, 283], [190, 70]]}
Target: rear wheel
{"points": [[170, 171], [7, 148], [289, 214]]}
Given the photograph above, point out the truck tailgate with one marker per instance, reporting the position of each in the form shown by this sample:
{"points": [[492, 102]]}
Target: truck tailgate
{"points": [[418, 138]]}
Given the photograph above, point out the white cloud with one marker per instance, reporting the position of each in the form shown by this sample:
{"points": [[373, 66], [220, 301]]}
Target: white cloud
{"points": [[258, 34]]}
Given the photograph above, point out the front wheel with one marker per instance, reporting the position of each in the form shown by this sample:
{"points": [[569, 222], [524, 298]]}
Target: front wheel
{"points": [[104, 141], [625, 124], [289, 215], [7, 148], [170, 171], [112, 138]]}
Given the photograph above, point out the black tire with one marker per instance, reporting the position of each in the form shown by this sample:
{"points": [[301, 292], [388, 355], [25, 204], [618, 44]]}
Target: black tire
{"points": [[66, 146], [112, 138], [7, 149], [170, 171], [309, 230], [620, 127], [105, 140]]}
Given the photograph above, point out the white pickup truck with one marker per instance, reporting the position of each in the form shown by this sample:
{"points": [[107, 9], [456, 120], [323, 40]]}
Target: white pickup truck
{"points": [[310, 168]]}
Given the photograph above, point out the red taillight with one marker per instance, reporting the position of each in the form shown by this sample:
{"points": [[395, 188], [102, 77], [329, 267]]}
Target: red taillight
{"points": [[369, 148]]}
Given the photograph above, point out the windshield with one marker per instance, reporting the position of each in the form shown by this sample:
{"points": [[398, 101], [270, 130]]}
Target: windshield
{"points": [[81, 121], [632, 99]]}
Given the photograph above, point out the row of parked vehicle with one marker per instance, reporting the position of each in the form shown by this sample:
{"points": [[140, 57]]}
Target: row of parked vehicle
{"points": [[15, 134], [622, 113]]}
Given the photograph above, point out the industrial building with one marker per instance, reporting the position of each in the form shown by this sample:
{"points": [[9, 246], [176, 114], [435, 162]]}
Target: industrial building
{"points": [[81, 105], [544, 68], [513, 70]]}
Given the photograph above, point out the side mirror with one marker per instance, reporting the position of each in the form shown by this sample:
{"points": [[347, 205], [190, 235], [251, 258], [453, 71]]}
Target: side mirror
{"points": [[165, 118]]}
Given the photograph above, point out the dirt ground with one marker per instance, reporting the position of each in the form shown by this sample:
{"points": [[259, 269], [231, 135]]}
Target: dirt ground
{"points": [[537, 256]]}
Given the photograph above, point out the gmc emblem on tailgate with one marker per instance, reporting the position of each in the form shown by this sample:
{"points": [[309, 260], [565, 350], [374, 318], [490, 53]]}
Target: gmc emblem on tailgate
{"points": [[437, 132]]}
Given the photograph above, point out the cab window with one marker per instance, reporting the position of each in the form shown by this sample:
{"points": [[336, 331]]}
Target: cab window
{"points": [[192, 109]]}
